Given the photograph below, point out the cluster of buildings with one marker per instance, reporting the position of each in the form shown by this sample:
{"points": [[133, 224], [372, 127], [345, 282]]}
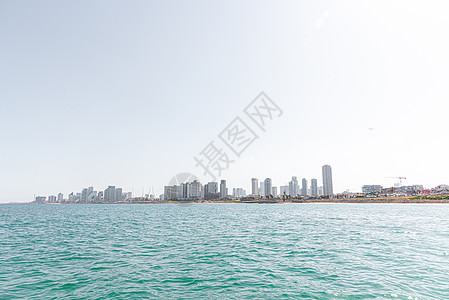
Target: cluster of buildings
{"points": [[407, 190], [264, 189], [195, 190], [88, 195]]}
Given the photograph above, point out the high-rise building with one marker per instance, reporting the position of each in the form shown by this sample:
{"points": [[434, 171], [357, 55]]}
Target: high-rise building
{"points": [[196, 190], [109, 194], [268, 187], [118, 194], [274, 191], [185, 188], [92, 197], [304, 187], [284, 190], [314, 187], [211, 191], [60, 197], [169, 192], [40, 199], [238, 192], [320, 191], [84, 194], [254, 186], [223, 189], [293, 187], [328, 189], [262, 188]]}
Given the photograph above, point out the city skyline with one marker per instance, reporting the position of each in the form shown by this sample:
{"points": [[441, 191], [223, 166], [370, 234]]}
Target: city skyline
{"points": [[193, 189], [128, 97]]}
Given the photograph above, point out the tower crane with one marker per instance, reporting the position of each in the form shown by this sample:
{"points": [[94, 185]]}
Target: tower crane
{"points": [[400, 179]]}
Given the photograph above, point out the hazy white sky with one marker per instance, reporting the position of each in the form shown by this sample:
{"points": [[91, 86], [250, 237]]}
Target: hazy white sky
{"points": [[127, 93]]}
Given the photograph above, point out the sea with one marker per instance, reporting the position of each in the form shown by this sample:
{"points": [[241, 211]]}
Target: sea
{"points": [[224, 251]]}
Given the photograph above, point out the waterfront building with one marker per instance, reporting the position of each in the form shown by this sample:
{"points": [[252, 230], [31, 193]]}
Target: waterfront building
{"points": [[274, 190], [262, 189], [92, 197], [60, 197], [314, 187], [304, 187], [118, 194], [168, 192], [368, 189], [84, 194], [328, 189], [109, 194], [211, 191], [412, 189], [196, 190], [178, 192], [254, 186], [267, 187], [40, 199], [284, 190], [185, 190], [293, 187], [51, 199], [173, 192], [320, 190], [238, 192], [223, 189]]}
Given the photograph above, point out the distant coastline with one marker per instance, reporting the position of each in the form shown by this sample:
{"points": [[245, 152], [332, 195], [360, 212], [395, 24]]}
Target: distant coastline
{"points": [[372, 200]]}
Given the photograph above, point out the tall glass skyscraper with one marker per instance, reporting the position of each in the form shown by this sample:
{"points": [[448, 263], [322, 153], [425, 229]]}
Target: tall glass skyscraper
{"points": [[304, 187], [268, 187], [314, 187], [223, 189], [254, 186], [293, 186], [328, 189]]}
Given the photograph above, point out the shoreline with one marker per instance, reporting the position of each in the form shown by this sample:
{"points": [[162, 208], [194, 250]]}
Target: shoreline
{"points": [[384, 200]]}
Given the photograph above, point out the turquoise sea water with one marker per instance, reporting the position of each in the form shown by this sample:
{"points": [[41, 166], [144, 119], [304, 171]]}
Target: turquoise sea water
{"points": [[224, 251]]}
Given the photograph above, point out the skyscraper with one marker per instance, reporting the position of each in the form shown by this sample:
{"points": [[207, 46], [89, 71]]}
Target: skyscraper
{"points": [[293, 187], [118, 194], [304, 187], [262, 189], [267, 186], [284, 190], [254, 186], [196, 190], [314, 188], [238, 192], [109, 194], [185, 187], [328, 189], [274, 191], [223, 189], [211, 191], [320, 191]]}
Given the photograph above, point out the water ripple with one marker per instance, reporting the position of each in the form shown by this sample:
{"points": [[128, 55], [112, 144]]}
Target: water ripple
{"points": [[314, 251]]}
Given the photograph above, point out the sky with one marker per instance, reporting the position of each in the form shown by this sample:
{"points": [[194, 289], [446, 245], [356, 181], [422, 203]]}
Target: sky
{"points": [[127, 93]]}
